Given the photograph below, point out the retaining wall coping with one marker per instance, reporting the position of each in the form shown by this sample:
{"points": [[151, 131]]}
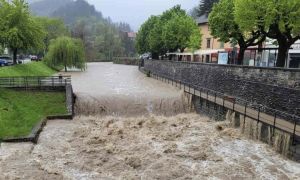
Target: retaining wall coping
{"points": [[233, 66]]}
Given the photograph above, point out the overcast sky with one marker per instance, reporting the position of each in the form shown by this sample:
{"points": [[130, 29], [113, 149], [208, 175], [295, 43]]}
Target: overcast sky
{"points": [[135, 12]]}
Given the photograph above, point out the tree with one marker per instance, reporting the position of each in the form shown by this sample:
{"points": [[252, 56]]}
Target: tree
{"points": [[194, 12], [142, 39], [19, 30], [205, 7], [277, 19], [67, 52], [1, 50], [178, 31], [173, 30], [223, 26], [53, 29]]}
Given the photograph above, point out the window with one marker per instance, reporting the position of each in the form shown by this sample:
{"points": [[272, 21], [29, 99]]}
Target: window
{"points": [[208, 43], [221, 45]]}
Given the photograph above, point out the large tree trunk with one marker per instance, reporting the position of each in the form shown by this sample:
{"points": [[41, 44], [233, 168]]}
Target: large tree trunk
{"points": [[181, 56], [155, 56], [15, 53], [282, 53], [241, 55]]}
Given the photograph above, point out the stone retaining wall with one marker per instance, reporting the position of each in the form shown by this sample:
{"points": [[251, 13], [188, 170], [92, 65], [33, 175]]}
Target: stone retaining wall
{"points": [[275, 88]]}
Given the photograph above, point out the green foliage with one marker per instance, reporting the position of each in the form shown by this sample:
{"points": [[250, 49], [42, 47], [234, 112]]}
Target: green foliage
{"points": [[66, 52], [224, 27], [53, 29], [173, 30], [20, 111], [30, 69], [194, 40], [102, 39], [277, 19], [181, 32], [18, 29], [1, 50], [221, 21], [142, 39], [262, 14]]}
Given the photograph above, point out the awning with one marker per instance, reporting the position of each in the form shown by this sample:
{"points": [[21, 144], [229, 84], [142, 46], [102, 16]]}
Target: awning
{"points": [[208, 51], [294, 51], [181, 54], [198, 52]]}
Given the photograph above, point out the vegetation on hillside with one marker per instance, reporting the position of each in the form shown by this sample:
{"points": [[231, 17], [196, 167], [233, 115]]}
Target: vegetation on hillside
{"points": [[47, 7], [204, 8], [172, 31], [20, 111], [31, 69], [102, 38]]}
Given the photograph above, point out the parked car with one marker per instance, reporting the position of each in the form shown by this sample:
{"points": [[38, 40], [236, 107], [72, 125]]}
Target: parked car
{"points": [[8, 59], [34, 58], [3, 62], [146, 56]]}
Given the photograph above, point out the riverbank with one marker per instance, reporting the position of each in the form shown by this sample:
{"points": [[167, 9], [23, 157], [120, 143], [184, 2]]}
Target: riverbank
{"points": [[20, 111], [30, 69]]}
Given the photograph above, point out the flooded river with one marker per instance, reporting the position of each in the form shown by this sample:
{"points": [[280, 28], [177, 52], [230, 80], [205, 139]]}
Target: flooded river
{"points": [[108, 89], [139, 128]]}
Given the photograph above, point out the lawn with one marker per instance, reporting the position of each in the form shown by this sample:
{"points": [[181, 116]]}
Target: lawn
{"points": [[20, 111], [30, 69]]}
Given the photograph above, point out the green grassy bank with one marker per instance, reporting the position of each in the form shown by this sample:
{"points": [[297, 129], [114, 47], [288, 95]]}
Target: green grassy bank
{"points": [[20, 111], [30, 69]]}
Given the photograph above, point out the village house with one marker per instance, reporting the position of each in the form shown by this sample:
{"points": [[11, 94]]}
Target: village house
{"points": [[214, 51]]}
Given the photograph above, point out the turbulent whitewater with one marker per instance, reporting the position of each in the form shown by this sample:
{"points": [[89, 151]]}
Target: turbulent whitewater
{"points": [[129, 126]]}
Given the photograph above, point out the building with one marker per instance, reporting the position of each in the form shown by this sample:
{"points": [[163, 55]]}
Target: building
{"points": [[294, 56], [214, 51], [210, 46]]}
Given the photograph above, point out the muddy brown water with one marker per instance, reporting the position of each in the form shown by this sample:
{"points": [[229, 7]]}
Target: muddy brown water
{"points": [[124, 137]]}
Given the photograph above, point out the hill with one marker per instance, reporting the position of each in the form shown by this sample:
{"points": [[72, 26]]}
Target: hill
{"points": [[75, 10], [46, 7]]}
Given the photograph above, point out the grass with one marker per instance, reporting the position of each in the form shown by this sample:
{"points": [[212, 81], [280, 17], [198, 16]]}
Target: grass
{"points": [[20, 111], [30, 69]]}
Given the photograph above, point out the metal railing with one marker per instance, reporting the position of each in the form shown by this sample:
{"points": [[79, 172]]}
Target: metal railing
{"points": [[34, 81], [289, 123]]}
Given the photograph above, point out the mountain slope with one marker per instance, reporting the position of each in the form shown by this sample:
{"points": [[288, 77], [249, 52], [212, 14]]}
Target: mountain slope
{"points": [[72, 11], [46, 7]]}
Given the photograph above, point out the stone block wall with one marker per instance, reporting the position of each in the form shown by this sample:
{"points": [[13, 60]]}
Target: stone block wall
{"points": [[275, 88]]}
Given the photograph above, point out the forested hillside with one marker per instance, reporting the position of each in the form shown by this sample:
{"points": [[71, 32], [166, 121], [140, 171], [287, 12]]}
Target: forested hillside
{"points": [[103, 39], [47, 7]]}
